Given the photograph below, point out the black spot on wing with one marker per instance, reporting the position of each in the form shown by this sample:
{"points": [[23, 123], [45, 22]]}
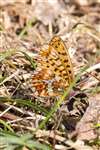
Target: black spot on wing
{"points": [[48, 66], [52, 63], [56, 46], [68, 66], [55, 69], [66, 61], [69, 71], [66, 78], [61, 53]]}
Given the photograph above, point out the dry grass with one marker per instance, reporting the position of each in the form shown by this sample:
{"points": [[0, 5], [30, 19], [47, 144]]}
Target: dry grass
{"points": [[29, 121]]}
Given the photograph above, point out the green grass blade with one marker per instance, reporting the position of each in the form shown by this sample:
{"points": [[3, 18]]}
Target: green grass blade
{"points": [[6, 125], [7, 53], [25, 140], [30, 59], [27, 102]]}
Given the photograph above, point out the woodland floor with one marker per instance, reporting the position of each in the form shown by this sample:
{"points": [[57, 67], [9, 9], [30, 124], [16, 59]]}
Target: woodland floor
{"points": [[29, 117]]}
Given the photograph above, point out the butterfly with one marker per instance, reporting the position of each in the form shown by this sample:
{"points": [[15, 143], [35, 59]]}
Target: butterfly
{"points": [[56, 73], [55, 76]]}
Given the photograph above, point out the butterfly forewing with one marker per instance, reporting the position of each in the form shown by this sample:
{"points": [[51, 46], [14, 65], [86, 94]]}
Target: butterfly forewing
{"points": [[65, 68]]}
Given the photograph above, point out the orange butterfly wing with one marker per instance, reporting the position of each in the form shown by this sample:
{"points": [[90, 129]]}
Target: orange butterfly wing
{"points": [[55, 66]]}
